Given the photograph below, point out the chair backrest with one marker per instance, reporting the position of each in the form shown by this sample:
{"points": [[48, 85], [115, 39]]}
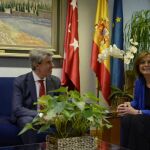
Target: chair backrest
{"points": [[6, 92]]}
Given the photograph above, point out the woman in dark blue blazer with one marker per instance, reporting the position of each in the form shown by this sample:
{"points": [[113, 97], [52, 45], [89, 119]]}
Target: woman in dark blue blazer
{"points": [[135, 120]]}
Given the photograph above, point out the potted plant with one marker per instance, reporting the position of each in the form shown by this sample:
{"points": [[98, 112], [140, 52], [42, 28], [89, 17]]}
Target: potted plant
{"points": [[119, 96], [138, 28], [72, 114]]}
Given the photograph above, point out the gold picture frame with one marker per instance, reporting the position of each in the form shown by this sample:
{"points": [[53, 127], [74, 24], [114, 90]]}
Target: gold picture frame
{"points": [[29, 25]]}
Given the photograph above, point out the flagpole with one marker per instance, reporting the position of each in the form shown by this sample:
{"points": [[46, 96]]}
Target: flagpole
{"points": [[97, 88]]}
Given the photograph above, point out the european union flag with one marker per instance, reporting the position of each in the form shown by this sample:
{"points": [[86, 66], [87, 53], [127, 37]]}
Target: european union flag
{"points": [[117, 65]]}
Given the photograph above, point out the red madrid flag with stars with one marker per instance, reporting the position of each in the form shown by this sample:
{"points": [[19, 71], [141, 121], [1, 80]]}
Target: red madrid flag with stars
{"points": [[70, 70]]}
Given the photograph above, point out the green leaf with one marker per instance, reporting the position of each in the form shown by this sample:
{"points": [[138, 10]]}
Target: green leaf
{"points": [[75, 95], [91, 119], [26, 128], [58, 108], [108, 126], [61, 90], [50, 114], [88, 113], [91, 97], [44, 128], [80, 105], [68, 114], [35, 119]]}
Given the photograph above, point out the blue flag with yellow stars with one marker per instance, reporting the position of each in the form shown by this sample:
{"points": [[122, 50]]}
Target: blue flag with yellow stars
{"points": [[117, 65]]}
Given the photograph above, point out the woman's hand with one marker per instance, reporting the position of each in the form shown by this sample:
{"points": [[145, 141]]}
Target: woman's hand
{"points": [[127, 104], [126, 108], [121, 109]]}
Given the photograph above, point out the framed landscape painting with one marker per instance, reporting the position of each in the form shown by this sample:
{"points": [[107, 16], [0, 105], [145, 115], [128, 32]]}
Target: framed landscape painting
{"points": [[27, 25]]}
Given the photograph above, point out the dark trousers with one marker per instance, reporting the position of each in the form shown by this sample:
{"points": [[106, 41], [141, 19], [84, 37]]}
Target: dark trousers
{"points": [[135, 132], [29, 136]]}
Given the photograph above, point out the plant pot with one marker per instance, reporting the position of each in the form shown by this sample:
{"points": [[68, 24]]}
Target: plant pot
{"points": [[129, 81], [71, 143], [118, 100]]}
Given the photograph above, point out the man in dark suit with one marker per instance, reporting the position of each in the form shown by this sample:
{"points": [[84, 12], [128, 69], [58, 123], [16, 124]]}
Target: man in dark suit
{"points": [[27, 90]]}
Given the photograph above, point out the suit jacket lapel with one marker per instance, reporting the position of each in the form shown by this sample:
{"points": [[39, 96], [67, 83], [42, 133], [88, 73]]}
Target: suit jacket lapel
{"points": [[32, 87], [50, 85]]}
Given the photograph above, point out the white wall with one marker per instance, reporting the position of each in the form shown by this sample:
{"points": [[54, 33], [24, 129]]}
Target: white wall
{"points": [[87, 11], [16, 71]]}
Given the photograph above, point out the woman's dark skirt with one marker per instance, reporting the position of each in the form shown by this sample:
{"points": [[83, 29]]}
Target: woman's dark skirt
{"points": [[135, 132]]}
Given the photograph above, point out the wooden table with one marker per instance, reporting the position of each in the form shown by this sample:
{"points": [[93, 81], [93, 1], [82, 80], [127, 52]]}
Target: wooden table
{"points": [[111, 135]]}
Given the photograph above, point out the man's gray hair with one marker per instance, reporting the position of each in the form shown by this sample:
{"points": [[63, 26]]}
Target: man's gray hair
{"points": [[37, 56]]}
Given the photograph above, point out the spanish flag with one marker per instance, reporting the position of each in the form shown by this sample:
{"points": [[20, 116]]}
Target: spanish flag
{"points": [[100, 42]]}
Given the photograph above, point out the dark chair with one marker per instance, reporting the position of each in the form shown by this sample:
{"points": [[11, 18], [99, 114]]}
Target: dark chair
{"points": [[8, 130]]}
